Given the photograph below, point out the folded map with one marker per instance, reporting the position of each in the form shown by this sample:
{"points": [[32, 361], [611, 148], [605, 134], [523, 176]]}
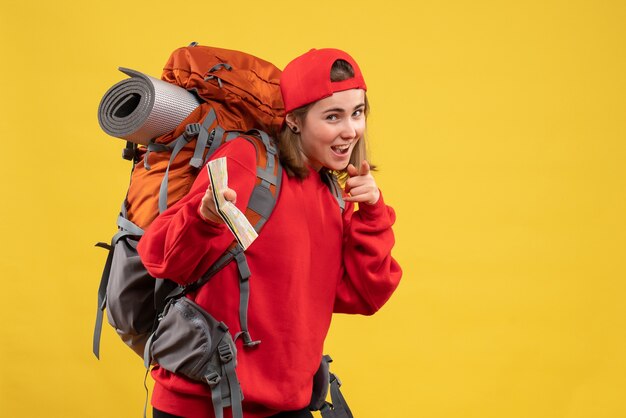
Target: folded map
{"points": [[233, 218]]}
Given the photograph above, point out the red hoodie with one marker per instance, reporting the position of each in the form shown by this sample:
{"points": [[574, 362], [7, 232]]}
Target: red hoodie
{"points": [[309, 261]]}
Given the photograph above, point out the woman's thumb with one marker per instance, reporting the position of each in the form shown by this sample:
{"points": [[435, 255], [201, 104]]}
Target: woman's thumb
{"points": [[230, 195]]}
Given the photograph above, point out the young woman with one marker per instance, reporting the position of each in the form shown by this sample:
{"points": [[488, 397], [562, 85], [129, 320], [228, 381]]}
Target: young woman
{"points": [[310, 259]]}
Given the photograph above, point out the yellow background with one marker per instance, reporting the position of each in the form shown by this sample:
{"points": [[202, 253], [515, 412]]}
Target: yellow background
{"points": [[499, 129]]}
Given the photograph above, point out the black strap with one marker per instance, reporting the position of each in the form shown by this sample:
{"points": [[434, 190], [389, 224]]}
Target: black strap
{"points": [[130, 151], [337, 407]]}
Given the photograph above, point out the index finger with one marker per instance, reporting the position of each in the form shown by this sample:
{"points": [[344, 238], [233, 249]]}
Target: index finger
{"points": [[365, 168]]}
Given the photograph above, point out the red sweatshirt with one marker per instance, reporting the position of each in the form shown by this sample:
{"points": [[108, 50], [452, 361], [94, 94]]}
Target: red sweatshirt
{"points": [[309, 261]]}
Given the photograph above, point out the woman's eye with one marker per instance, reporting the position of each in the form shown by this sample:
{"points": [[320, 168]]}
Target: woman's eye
{"points": [[332, 117], [357, 113]]}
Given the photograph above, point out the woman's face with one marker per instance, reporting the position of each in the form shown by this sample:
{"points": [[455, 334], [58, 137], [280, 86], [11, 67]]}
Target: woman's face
{"points": [[331, 129]]}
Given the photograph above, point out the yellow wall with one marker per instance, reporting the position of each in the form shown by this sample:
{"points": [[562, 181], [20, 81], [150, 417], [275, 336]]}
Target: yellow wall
{"points": [[499, 128]]}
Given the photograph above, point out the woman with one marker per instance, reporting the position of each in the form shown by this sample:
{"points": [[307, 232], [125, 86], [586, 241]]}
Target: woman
{"points": [[310, 260]]}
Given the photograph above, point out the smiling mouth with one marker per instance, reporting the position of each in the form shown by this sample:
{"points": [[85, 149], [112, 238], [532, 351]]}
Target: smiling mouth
{"points": [[341, 149]]}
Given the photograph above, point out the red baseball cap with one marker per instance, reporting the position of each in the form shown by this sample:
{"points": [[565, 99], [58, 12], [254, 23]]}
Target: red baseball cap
{"points": [[306, 79]]}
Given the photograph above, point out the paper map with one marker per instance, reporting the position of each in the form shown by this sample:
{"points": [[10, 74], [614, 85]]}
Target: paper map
{"points": [[233, 218]]}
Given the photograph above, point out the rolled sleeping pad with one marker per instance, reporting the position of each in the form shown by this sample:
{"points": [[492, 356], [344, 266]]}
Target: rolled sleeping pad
{"points": [[141, 107]]}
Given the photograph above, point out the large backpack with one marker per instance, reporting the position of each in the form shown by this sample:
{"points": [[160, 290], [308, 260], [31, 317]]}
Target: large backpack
{"points": [[239, 96]]}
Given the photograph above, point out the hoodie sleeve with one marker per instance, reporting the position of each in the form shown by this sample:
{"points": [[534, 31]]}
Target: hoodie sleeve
{"points": [[179, 244], [370, 273]]}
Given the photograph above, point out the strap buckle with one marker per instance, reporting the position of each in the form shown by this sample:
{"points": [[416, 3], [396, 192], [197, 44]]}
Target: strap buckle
{"points": [[225, 352], [212, 378], [192, 130], [129, 152], [334, 378]]}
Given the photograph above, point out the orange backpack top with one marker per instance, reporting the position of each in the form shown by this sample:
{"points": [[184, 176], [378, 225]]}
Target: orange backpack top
{"points": [[243, 92]]}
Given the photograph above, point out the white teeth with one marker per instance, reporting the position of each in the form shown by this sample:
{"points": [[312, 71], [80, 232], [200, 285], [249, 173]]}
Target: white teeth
{"points": [[341, 148]]}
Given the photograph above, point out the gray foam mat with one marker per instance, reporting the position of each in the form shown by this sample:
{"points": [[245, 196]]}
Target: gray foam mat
{"points": [[142, 107]]}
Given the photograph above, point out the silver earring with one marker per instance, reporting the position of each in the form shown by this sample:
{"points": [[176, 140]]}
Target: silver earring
{"points": [[294, 129]]}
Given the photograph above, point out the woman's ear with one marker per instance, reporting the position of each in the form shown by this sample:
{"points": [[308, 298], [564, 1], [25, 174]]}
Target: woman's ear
{"points": [[292, 122]]}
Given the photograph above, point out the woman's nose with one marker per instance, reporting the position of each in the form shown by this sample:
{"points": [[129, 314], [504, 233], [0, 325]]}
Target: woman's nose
{"points": [[349, 129]]}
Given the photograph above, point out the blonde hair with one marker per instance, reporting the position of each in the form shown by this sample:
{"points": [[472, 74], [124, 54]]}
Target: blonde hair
{"points": [[289, 146]]}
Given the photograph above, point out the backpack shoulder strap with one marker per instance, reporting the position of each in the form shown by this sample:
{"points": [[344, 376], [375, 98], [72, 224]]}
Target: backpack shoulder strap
{"points": [[269, 173], [333, 185], [260, 207], [337, 407]]}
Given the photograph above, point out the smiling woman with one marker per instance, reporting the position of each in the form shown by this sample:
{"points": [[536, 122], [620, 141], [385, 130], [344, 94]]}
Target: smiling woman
{"points": [[313, 253], [293, 152], [331, 129]]}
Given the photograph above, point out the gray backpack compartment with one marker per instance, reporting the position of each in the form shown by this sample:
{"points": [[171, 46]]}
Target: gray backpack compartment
{"points": [[133, 298], [129, 296], [189, 341]]}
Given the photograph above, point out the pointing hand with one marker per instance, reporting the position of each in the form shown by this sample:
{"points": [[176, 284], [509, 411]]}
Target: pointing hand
{"points": [[361, 185]]}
